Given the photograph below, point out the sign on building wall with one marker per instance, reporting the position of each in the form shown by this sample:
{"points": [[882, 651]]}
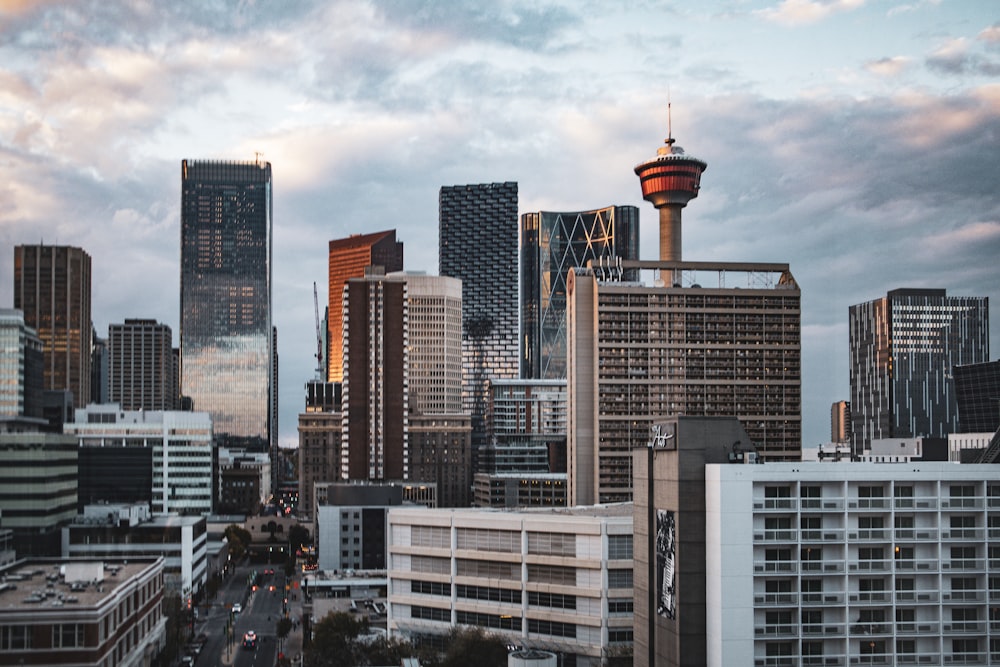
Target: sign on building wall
{"points": [[666, 534]]}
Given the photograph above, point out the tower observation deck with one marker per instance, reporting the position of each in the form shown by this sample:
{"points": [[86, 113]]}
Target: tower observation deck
{"points": [[669, 181]]}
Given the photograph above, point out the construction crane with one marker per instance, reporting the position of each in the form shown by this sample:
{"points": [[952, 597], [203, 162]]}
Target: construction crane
{"points": [[319, 336]]}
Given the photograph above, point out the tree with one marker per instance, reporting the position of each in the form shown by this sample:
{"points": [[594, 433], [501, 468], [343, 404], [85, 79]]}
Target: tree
{"points": [[297, 536], [283, 627], [474, 646], [239, 539], [333, 642]]}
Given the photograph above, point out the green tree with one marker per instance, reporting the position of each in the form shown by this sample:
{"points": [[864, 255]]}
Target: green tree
{"points": [[239, 539], [474, 646], [384, 651], [297, 536], [333, 642]]}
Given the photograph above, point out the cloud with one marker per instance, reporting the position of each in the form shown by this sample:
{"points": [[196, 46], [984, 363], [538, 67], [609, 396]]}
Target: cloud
{"points": [[955, 57], [888, 67], [803, 12]]}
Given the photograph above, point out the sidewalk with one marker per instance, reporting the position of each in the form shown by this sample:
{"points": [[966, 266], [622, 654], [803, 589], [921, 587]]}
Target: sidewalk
{"points": [[292, 646]]}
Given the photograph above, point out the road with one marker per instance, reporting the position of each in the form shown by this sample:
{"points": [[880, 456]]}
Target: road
{"points": [[260, 613]]}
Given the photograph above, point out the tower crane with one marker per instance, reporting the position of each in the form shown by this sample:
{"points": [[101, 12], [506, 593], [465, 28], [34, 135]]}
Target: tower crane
{"points": [[319, 336]]}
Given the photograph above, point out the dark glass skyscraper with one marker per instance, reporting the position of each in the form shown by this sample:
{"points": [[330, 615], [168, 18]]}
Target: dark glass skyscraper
{"points": [[551, 245], [477, 243], [225, 334], [903, 349]]}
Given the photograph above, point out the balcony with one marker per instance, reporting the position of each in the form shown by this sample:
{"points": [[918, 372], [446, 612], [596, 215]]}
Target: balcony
{"points": [[964, 565], [824, 566], [916, 503], [916, 534], [776, 631], [962, 503], [819, 599], [868, 504], [778, 599], [913, 596], [872, 597], [777, 535], [783, 566], [825, 535], [917, 565], [964, 596], [870, 566], [964, 627], [869, 535], [779, 504]]}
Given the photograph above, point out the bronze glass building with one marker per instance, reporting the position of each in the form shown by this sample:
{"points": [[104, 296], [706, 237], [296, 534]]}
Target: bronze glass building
{"points": [[52, 289], [226, 334]]}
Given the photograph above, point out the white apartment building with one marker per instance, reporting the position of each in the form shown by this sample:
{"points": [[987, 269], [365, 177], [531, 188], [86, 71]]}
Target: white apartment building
{"points": [[181, 445], [552, 579], [852, 563]]}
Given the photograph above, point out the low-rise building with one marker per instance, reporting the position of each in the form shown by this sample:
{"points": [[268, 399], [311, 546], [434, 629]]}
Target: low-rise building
{"points": [[126, 532], [82, 612], [554, 579]]}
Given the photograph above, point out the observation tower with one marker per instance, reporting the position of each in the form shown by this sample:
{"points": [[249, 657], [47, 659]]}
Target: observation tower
{"points": [[670, 180]]}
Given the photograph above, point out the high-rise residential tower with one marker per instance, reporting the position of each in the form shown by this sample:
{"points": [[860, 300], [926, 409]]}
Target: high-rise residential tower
{"points": [[477, 243], [375, 394], [348, 258], [141, 365], [840, 421], [52, 289], [226, 333], [551, 245], [903, 349]]}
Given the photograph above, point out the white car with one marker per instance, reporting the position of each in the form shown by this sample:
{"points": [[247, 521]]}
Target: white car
{"points": [[237, 607]]}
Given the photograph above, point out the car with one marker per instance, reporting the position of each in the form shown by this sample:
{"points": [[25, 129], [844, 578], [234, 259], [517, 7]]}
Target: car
{"points": [[250, 640], [237, 607], [187, 661]]}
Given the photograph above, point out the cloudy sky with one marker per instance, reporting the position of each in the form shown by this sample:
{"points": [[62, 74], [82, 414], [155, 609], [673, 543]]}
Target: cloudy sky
{"points": [[857, 140]]}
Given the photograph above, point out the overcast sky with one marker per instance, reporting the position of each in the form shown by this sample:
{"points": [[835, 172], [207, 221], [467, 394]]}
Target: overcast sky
{"points": [[858, 141]]}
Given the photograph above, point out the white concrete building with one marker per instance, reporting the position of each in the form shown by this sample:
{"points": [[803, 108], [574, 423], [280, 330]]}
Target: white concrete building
{"points": [[552, 579], [852, 563], [181, 444]]}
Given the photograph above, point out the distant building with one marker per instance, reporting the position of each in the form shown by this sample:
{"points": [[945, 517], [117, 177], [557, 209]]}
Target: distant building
{"points": [[99, 378], [116, 532], [244, 481], [480, 222], [351, 525], [840, 422], [639, 353], [551, 245], [977, 393], [558, 580], [141, 365], [348, 258], [320, 436], [181, 446], [440, 453], [21, 367], [71, 612], [269, 538], [38, 495], [226, 334], [525, 464], [904, 348], [56, 279]]}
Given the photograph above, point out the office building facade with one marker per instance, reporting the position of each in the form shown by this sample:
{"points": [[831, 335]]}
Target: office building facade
{"points": [[903, 348], [551, 245], [480, 221], [181, 451], [21, 367], [638, 353], [977, 394], [52, 289], [226, 333], [348, 258], [141, 365], [320, 437], [558, 580], [840, 422]]}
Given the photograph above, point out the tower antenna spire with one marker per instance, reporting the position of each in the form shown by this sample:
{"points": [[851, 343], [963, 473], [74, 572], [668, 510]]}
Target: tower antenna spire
{"points": [[670, 123]]}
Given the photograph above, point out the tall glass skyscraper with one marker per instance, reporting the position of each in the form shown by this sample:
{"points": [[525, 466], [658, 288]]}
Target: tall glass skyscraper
{"points": [[225, 334], [551, 245], [477, 243], [903, 349]]}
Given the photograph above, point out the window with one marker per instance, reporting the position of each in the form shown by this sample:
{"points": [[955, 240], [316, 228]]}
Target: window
{"points": [[903, 491], [15, 637], [779, 653], [488, 593], [777, 492], [555, 544], [553, 628], [812, 653], [778, 622], [67, 635], [870, 553], [618, 579], [811, 526], [553, 600], [430, 613], [905, 647], [619, 636], [620, 606], [963, 526], [620, 547], [430, 588], [553, 574], [812, 620], [812, 590], [500, 622], [963, 588], [905, 618], [965, 647], [964, 619]]}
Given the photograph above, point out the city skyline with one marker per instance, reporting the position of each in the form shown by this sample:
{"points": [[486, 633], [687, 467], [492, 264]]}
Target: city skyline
{"points": [[854, 141]]}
